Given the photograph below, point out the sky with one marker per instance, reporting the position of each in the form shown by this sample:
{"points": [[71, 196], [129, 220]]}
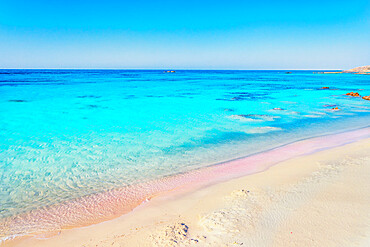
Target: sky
{"points": [[189, 34]]}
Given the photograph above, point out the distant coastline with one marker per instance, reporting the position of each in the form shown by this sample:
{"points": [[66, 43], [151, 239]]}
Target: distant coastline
{"points": [[362, 70]]}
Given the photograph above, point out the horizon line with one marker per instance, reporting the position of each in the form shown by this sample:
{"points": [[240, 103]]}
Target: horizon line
{"points": [[166, 69]]}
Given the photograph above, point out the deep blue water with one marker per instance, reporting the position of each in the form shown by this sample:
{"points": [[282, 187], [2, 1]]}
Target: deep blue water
{"points": [[69, 133]]}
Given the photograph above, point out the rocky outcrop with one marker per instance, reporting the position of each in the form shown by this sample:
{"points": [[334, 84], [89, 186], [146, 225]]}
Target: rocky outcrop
{"points": [[353, 94], [361, 69], [366, 97]]}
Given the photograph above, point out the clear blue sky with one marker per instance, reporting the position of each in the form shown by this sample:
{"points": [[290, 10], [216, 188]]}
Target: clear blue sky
{"points": [[184, 34]]}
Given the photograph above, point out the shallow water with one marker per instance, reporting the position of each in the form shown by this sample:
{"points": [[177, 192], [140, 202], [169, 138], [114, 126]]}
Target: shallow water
{"points": [[71, 133]]}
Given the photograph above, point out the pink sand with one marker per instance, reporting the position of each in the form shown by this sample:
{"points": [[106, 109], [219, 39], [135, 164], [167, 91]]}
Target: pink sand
{"points": [[104, 206]]}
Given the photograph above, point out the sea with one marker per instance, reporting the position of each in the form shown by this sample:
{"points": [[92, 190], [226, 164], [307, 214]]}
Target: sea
{"points": [[69, 134]]}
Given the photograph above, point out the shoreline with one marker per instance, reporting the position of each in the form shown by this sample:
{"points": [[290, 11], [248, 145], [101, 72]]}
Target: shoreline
{"points": [[195, 180], [324, 198]]}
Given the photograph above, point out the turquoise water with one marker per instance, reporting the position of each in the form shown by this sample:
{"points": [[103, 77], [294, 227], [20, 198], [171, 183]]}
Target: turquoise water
{"points": [[70, 133]]}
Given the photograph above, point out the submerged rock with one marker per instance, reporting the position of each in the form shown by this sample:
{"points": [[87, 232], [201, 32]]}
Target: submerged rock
{"points": [[366, 97], [89, 96], [254, 117], [325, 88], [17, 100], [353, 94], [261, 130]]}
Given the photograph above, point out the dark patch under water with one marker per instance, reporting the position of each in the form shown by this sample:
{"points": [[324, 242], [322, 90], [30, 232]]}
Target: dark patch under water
{"points": [[89, 96], [17, 100]]}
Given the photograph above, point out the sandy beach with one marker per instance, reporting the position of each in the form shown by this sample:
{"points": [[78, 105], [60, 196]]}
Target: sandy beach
{"points": [[184, 123], [320, 199]]}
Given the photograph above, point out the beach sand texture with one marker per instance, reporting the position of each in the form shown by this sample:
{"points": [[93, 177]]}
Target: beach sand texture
{"points": [[320, 199]]}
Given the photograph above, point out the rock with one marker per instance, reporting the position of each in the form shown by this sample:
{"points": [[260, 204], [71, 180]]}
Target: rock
{"points": [[362, 70], [328, 88], [335, 108], [353, 94], [366, 97]]}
